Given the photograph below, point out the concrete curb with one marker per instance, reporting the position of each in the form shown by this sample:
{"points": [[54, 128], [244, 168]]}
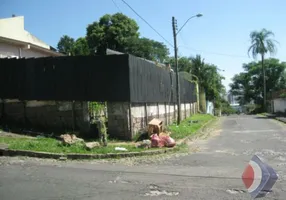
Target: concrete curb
{"points": [[73, 156], [183, 141], [4, 151], [281, 119]]}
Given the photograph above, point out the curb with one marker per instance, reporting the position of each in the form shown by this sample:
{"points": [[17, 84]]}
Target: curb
{"points": [[276, 118], [183, 141], [4, 151], [74, 156]]}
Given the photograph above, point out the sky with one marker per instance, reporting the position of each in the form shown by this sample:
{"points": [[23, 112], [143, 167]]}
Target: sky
{"points": [[221, 35]]}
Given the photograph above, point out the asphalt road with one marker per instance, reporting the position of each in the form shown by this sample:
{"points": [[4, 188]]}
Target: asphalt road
{"points": [[212, 173]]}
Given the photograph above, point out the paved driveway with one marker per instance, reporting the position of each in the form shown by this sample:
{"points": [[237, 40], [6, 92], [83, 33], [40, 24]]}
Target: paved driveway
{"points": [[211, 173]]}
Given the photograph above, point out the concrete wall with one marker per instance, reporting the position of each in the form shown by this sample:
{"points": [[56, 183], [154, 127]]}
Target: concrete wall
{"points": [[46, 116], [279, 105], [210, 108], [125, 124], [10, 50], [125, 120], [13, 28]]}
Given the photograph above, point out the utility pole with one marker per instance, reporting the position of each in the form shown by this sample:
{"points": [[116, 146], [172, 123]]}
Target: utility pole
{"points": [[175, 33], [174, 24]]}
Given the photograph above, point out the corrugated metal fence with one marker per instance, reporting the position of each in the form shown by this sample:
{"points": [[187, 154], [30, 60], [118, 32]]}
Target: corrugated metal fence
{"points": [[117, 78]]}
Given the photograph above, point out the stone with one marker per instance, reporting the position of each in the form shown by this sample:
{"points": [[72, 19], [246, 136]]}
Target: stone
{"points": [[63, 158], [70, 139], [144, 144], [91, 145]]}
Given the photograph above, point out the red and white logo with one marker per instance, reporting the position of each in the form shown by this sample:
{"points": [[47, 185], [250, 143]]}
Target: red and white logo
{"points": [[258, 177]]}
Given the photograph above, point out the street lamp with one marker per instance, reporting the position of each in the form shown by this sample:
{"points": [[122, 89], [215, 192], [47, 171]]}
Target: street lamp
{"points": [[176, 62]]}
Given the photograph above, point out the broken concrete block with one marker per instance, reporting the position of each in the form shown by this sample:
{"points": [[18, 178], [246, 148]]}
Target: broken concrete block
{"points": [[91, 145]]}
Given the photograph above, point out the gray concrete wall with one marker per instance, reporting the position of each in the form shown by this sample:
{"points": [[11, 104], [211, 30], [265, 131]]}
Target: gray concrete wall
{"points": [[126, 120], [46, 115], [279, 105]]}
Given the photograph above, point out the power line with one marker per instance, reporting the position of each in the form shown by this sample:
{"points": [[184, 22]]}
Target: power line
{"points": [[148, 24], [116, 6], [215, 53]]}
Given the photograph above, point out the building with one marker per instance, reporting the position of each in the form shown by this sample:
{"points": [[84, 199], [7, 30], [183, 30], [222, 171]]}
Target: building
{"points": [[16, 42], [232, 99]]}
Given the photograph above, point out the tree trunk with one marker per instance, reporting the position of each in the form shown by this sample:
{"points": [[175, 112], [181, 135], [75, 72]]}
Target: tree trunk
{"points": [[264, 84], [202, 96]]}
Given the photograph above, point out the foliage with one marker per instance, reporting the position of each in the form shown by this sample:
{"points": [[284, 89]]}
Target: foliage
{"points": [[102, 129], [66, 45], [252, 108], [283, 95], [184, 64], [81, 47], [117, 32], [69, 46], [226, 108], [111, 31], [56, 146], [210, 80], [262, 43], [248, 85], [96, 107], [148, 49], [186, 128]]}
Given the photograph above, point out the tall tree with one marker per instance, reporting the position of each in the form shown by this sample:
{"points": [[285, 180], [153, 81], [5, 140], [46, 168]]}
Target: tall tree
{"points": [[248, 85], [210, 81], [66, 44], [148, 49], [111, 31], [81, 47], [184, 64], [262, 43]]}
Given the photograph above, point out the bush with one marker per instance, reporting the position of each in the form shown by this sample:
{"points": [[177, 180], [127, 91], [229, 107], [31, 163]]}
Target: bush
{"points": [[228, 111]]}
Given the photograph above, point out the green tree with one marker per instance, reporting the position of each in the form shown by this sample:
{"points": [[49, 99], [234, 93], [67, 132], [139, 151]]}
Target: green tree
{"points": [[148, 49], [262, 43], [66, 44], [184, 64], [242, 88], [248, 85], [111, 31], [210, 81], [81, 47]]}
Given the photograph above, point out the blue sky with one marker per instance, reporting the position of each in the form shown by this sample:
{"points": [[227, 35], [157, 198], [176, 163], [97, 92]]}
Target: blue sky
{"points": [[221, 36]]}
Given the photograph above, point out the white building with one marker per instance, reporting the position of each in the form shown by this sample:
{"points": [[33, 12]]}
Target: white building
{"points": [[232, 99], [16, 42]]}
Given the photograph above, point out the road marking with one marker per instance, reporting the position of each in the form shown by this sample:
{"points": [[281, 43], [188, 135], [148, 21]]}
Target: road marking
{"points": [[255, 131]]}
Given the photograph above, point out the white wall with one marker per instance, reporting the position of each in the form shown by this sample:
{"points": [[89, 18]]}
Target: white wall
{"points": [[138, 111], [9, 50], [210, 108], [13, 28], [279, 105]]}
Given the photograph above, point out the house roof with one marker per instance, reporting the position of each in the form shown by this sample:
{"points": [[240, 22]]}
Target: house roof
{"points": [[27, 45], [12, 30]]}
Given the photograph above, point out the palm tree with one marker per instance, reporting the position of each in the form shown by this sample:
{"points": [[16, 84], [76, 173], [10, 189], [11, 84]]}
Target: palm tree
{"points": [[262, 43], [198, 69]]}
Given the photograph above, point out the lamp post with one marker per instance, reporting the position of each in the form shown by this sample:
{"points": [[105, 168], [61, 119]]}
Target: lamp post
{"points": [[174, 24]]}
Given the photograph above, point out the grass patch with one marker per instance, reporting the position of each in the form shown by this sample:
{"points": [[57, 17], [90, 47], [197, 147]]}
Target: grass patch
{"points": [[186, 128], [55, 146]]}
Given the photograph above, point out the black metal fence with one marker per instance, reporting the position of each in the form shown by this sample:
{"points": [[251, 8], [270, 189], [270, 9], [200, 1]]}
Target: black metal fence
{"points": [[115, 78], [93, 78], [149, 83]]}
